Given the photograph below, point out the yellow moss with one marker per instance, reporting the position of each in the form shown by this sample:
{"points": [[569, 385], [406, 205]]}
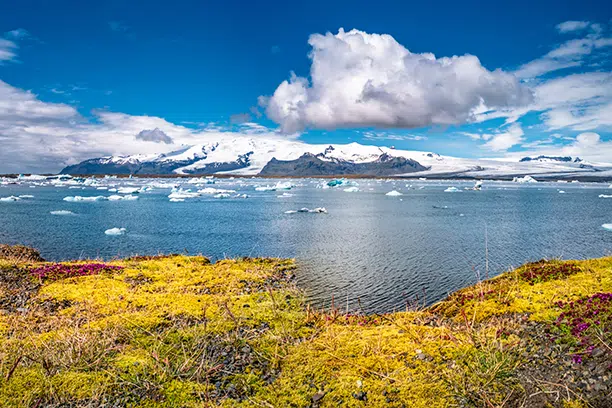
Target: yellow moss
{"points": [[158, 333]]}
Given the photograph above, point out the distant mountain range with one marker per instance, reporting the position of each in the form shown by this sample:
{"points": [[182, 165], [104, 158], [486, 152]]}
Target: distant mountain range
{"points": [[283, 157]]}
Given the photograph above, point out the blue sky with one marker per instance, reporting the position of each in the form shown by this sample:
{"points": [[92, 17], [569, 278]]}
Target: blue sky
{"points": [[100, 69]]}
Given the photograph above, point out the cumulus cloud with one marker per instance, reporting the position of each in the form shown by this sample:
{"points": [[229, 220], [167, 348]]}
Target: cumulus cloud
{"points": [[156, 135], [569, 26], [360, 79], [588, 145]]}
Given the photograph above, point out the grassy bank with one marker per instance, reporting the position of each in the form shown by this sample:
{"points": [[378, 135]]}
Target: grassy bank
{"points": [[180, 331]]}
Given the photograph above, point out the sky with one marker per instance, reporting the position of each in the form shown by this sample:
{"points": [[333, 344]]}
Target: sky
{"points": [[468, 79]]}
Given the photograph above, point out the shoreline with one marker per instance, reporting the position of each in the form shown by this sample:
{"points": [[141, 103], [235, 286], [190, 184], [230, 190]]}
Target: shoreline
{"points": [[177, 330]]}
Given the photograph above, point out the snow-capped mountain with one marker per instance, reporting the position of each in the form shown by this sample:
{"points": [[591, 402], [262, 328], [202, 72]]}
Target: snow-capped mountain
{"points": [[266, 156]]}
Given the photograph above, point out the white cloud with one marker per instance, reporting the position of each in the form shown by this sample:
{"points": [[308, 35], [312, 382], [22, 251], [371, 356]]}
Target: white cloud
{"points": [[587, 145], [503, 141], [38, 136], [569, 26], [371, 135], [359, 79], [7, 50]]}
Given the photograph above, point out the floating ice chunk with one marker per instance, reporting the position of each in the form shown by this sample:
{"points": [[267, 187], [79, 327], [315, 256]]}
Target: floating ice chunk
{"points": [[607, 227], [210, 190], [526, 179], [561, 192], [62, 212], [477, 186], [124, 198], [26, 196], [394, 193], [605, 196], [115, 231], [285, 195], [112, 190], [183, 194], [351, 190], [73, 199], [241, 196], [452, 190], [320, 210], [265, 188], [10, 198], [222, 195], [290, 212], [422, 178], [102, 188], [128, 190], [177, 200], [284, 186]]}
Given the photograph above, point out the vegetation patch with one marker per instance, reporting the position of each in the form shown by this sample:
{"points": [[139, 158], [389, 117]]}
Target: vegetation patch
{"points": [[584, 324], [543, 271], [60, 271], [170, 331]]}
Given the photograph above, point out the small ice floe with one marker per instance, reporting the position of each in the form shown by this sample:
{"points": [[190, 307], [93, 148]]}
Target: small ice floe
{"points": [[607, 227], [561, 181], [422, 178], [128, 190], [241, 196], [115, 231], [102, 188], [561, 192], [394, 193], [319, 210], [61, 212], [75, 187], [10, 198], [526, 179], [440, 207], [177, 200], [222, 195], [124, 198], [462, 215], [73, 199], [183, 194], [26, 196], [605, 196], [452, 190], [351, 189], [575, 181], [477, 186], [285, 195], [112, 190], [210, 190]]}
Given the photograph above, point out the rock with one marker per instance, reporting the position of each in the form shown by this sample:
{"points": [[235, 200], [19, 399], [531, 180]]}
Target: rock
{"points": [[361, 396], [318, 397]]}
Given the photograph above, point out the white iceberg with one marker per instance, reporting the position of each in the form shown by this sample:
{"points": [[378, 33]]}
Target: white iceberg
{"points": [[394, 193], [124, 198], [115, 231], [26, 196], [526, 179], [183, 194], [561, 192], [62, 212], [73, 199], [177, 200], [605, 196], [10, 198], [128, 190], [290, 212], [210, 190], [607, 227], [351, 190], [452, 190], [285, 195], [222, 195]]}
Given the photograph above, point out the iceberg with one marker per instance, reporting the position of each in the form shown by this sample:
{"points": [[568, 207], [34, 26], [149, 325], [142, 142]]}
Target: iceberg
{"points": [[394, 193], [605, 196], [177, 200], [115, 231], [26, 196], [290, 212], [10, 198], [222, 195], [452, 190], [74, 199], [561, 192], [607, 227], [183, 194], [124, 198], [351, 190], [319, 210], [128, 190], [526, 179], [62, 212], [210, 190], [285, 195]]}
